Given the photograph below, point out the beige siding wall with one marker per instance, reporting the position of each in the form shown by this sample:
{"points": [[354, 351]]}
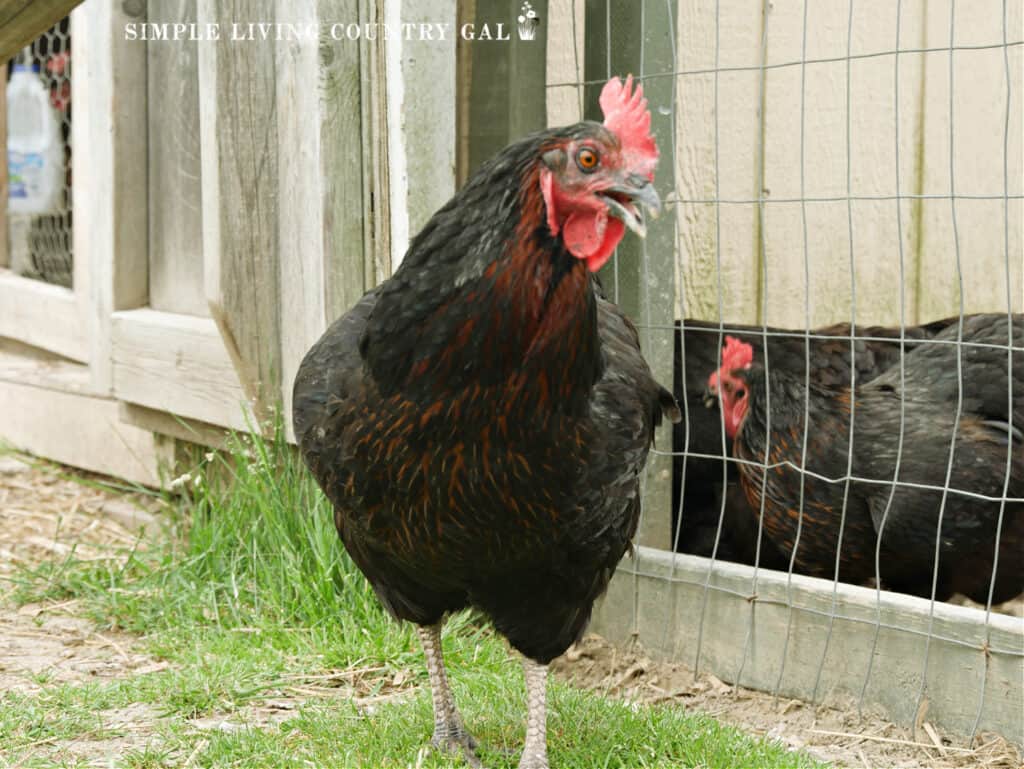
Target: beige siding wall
{"points": [[791, 263]]}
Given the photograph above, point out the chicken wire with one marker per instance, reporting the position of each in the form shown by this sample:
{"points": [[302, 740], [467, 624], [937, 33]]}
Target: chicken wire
{"points": [[40, 244], [636, 567]]}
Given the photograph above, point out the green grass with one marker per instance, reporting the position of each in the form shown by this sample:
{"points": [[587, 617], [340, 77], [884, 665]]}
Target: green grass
{"points": [[251, 598]]}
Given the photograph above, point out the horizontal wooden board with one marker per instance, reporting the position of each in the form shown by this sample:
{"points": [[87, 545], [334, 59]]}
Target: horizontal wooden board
{"points": [[174, 426], [83, 431], [660, 597], [176, 363], [41, 315]]}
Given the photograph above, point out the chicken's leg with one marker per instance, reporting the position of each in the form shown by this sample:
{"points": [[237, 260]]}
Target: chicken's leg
{"points": [[535, 751], [449, 732]]}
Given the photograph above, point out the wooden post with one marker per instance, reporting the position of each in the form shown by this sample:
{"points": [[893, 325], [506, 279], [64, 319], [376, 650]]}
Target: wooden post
{"points": [[239, 160], [323, 265], [642, 277], [109, 190]]}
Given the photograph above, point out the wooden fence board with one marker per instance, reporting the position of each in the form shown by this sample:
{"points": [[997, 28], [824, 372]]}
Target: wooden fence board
{"points": [[175, 223], [238, 130], [322, 248], [420, 118], [80, 430], [176, 363], [565, 57], [109, 193]]}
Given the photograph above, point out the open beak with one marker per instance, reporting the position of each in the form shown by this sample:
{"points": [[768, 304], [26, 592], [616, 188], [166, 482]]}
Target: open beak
{"points": [[622, 199]]}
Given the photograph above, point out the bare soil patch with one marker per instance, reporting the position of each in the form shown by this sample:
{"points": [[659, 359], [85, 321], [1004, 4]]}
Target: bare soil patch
{"points": [[839, 736], [45, 515]]}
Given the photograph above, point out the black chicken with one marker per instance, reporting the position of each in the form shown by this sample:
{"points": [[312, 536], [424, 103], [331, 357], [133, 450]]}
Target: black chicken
{"points": [[480, 420], [695, 522], [988, 458]]}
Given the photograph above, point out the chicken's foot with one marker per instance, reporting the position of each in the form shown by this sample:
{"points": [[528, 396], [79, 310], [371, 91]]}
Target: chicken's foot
{"points": [[535, 751], [450, 733]]}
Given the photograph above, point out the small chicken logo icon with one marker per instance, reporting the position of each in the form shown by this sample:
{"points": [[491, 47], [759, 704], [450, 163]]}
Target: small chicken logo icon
{"points": [[528, 22]]}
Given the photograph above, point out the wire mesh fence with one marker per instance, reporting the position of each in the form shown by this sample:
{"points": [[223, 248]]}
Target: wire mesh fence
{"points": [[855, 164], [39, 158]]}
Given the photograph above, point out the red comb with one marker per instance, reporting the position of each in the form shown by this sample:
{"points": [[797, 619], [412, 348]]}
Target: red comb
{"points": [[736, 354], [626, 116]]}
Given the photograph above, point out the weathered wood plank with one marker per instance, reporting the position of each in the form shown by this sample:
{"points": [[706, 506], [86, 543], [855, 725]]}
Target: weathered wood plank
{"points": [[671, 594], [173, 425], [302, 209], [21, 21], [341, 168], [5, 256], [566, 22], [31, 365], [176, 363], [421, 117], [238, 136], [80, 430], [175, 219], [322, 251], [109, 194], [42, 315], [373, 121]]}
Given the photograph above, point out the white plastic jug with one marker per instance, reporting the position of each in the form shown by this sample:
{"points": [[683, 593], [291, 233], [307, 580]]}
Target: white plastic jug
{"points": [[34, 148]]}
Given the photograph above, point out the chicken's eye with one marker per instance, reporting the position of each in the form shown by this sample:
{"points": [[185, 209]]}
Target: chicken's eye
{"points": [[586, 159]]}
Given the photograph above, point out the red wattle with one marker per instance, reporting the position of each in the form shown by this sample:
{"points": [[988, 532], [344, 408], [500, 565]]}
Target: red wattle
{"points": [[592, 236], [734, 413]]}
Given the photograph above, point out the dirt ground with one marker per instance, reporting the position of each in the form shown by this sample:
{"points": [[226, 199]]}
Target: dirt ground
{"points": [[838, 736], [44, 515]]}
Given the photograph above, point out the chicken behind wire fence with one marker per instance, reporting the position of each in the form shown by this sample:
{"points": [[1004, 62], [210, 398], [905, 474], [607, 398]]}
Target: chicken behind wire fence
{"points": [[863, 497]]}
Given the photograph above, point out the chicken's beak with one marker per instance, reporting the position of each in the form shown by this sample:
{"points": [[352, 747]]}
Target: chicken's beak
{"points": [[622, 197], [710, 397], [711, 392]]}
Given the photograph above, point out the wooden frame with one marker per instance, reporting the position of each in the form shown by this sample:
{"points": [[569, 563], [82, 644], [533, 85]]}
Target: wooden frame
{"points": [[110, 189], [42, 315], [176, 363], [659, 599], [312, 235]]}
